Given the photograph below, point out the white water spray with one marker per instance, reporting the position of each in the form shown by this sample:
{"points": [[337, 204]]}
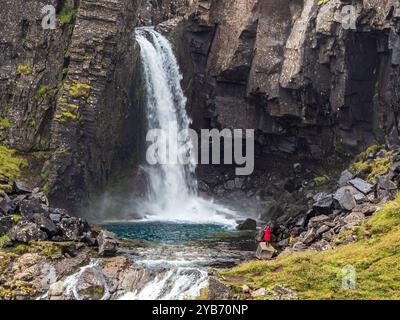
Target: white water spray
{"points": [[173, 187]]}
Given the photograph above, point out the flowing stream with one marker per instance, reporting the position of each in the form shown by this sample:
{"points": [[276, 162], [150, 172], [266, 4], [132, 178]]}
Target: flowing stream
{"points": [[181, 235]]}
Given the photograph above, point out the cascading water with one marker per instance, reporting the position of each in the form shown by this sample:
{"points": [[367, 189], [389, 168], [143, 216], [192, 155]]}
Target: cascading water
{"points": [[173, 187]]}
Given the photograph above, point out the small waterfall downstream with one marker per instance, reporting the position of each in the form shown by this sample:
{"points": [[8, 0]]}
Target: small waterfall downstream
{"points": [[173, 186]]}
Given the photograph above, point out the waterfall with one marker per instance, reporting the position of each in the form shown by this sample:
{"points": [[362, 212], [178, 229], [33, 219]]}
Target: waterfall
{"points": [[173, 187]]}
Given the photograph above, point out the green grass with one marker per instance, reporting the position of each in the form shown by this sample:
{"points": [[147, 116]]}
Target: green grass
{"points": [[5, 124], [24, 69], [372, 168], [10, 164], [318, 275]]}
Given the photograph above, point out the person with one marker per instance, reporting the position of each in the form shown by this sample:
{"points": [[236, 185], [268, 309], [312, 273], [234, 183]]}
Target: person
{"points": [[267, 234], [293, 237]]}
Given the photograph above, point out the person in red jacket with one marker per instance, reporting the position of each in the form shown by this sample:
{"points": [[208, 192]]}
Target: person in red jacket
{"points": [[267, 234]]}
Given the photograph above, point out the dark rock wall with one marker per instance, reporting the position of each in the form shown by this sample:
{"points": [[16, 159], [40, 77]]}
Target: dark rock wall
{"points": [[68, 93], [290, 70], [286, 68]]}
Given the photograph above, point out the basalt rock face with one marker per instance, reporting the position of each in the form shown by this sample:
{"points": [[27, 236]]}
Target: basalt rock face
{"points": [[297, 72], [66, 94]]}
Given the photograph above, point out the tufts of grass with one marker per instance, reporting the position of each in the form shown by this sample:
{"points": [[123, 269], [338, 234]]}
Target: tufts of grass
{"points": [[375, 257], [24, 69]]}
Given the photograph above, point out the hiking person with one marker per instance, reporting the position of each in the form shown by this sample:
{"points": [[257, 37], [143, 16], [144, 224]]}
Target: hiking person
{"points": [[267, 234], [293, 237]]}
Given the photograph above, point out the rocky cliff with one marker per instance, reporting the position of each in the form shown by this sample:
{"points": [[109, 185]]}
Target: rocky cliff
{"points": [[299, 72], [66, 94], [293, 70]]}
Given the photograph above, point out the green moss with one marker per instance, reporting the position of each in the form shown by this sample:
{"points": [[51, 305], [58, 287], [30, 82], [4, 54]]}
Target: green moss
{"points": [[46, 188], [10, 164], [4, 262], [67, 14], [320, 180], [16, 217], [41, 155], [5, 124], [42, 91], [45, 174], [79, 90], [24, 69], [372, 168], [318, 275], [322, 2], [4, 239]]}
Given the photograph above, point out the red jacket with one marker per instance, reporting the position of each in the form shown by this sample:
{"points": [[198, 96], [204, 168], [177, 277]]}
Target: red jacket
{"points": [[267, 233]]}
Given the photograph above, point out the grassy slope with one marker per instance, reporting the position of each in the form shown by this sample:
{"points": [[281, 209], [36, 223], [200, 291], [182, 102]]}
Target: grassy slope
{"points": [[318, 275]]}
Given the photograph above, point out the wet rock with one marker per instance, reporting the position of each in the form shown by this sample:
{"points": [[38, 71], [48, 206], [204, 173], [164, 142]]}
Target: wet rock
{"points": [[91, 285], [248, 224], [345, 198], [108, 243], [20, 187], [345, 177], [361, 185]]}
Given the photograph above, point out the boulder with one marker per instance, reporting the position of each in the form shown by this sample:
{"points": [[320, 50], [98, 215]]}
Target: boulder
{"points": [[6, 224], [318, 221], [345, 177], [25, 231], [309, 236], [108, 243], [361, 185], [345, 198], [217, 290], [353, 219], [91, 285], [265, 251], [45, 224], [386, 184], [324, 203], [322, 229], [6, 206], [29, 207], [73, 228], [248, 224], [20, 187]]}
